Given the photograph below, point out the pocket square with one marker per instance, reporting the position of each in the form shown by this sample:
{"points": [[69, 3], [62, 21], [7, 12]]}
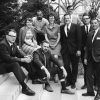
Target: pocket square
{"points": [[98, 38]]}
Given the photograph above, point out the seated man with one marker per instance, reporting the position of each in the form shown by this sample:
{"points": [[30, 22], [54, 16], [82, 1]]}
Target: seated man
{"points": [[10, 57], [42, 58]]}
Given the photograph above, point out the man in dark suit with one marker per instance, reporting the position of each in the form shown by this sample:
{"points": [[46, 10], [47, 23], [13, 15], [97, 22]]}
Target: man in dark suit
{"points": [[70, 48], [85, 29], [10, 57], [42, 58], [92, 59]]}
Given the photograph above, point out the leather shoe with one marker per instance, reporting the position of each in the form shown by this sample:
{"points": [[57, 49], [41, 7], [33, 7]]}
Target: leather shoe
{"points": [[28, 91], [73, 86], [97, 97], [83, 87], [67, 91], [68, 84], [48, 88], [88, 94]]}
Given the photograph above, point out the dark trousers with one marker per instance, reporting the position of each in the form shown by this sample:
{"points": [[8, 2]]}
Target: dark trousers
{"points": [[41, 74], [40, 37], [30, 68], [93, 68], [72, 71], [84, 66], [16, 69]]}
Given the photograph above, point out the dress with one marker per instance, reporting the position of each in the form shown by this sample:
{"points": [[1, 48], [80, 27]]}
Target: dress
{"points": [[52, 35]]}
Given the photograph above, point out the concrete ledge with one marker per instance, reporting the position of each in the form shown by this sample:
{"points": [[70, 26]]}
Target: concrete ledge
{"points": [[10, 89], [3, 78]]}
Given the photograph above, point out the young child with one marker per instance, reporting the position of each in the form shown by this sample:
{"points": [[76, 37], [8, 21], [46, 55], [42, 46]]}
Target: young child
{"points": [[30, 44]]}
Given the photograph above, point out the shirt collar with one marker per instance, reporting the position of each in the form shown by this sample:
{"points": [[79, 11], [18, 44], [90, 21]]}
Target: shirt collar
{"points": [[52, 27]]}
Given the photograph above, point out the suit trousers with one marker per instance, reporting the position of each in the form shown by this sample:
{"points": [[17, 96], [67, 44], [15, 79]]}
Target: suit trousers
{"points": [[16, 69], [84, 66], [71, 65], [93, 69], [54, 70]]}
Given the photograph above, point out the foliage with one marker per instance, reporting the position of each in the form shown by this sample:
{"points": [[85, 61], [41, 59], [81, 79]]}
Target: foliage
{"points": [[13, 15], [94, 8], [65, 3]]}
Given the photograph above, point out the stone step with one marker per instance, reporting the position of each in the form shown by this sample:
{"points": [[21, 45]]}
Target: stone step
{"points": [[10, 89], [38, 88], [3, 78]]}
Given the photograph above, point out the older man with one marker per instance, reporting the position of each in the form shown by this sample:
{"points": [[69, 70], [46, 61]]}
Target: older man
{"points": [[92, 59]]}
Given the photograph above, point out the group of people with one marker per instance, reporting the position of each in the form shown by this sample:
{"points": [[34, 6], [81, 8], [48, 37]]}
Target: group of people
{"points": [[42, 41]]}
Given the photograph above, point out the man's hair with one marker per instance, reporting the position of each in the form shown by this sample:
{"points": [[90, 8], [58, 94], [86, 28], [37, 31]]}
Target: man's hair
{"points": [[67, 14], [44, 41], [98, 20], [39, 11], [85, 14], [9, 30]]}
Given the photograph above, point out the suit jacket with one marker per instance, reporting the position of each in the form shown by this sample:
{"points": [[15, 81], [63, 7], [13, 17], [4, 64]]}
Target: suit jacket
{"points": [[84, 35], [6, 53], [93, 48], [72, 43], [22, 35], [39, 59]]}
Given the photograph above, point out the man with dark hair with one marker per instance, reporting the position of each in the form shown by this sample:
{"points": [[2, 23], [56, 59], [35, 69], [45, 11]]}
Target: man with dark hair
{"points": [[92, 59], [10, 57], [85, 29], [70, 49], [42, 58], [39, 23]]}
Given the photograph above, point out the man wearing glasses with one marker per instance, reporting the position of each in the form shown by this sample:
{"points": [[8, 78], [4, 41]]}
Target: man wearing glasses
{"points": [[85, 29], [10, 57]]}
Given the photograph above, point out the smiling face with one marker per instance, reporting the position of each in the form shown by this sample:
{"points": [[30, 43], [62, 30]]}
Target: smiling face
{"points": [[67, 19], [11, 36], [95, 24], [45, 46], [51, 19]]}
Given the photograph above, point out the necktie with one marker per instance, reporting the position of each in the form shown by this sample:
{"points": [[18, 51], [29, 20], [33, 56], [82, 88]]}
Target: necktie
{"points": [[86, 29], [44, 59], [12, 47], [67, 30]]}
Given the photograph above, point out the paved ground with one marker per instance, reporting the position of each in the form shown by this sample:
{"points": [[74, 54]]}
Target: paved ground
{"points": [[56, 95]]}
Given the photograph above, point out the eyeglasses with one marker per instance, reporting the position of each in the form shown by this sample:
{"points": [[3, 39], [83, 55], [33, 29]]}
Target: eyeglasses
{"points": [[86, 18], [11, 36]]}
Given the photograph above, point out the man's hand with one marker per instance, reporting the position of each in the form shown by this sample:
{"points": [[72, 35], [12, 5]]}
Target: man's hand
{"points": [[26, 59], [46, 71], [29, 56], [78, 53], [64, 72], [85, 61]]}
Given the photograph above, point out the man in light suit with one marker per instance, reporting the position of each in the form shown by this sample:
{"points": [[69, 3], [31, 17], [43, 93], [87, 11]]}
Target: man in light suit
{"points": [[70, 48], [85, 29], [92, 59]]}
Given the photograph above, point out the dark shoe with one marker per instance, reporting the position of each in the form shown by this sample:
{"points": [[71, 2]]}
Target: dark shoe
{"points": [[37, 81], [97, 97], [88, 94], [84, 87], [28, 91], [73, 86], [68, 84], [48, 88], [95, 88], [67, 91]]}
